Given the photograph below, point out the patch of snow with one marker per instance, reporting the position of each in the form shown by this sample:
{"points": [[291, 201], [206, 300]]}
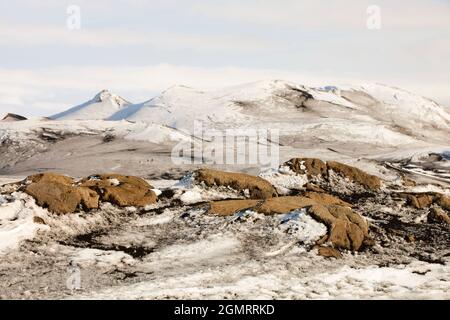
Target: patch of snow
{"points": [[216, 248], [114, 182], [131, 209], [163, 184], [102, 106], [157, 192], [284, 179], [251, 281], [186, 182], [408, 109], [163, 218], [429, 188], [399, 282], [198, 194], [192, 196], [247, 215], [17, 221], [302, 226], [101, 258], [156, 134]]}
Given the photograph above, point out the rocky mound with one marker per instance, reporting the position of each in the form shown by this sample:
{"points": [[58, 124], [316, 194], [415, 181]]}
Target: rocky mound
{"points": [[316, 168], [309, 166], [356, 175], [62, 194], [315, 195], [59, 194], [438, 215], [346, 229], [257, 187], [121, 190], [425, 200]]}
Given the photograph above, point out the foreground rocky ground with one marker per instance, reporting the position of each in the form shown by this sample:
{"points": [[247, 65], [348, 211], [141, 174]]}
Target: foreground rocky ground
{"points": [[310, 229]]}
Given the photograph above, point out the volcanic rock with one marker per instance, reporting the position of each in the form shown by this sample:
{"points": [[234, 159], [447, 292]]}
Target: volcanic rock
{"points": [[56, 193], [258, 187], [121, 190], [438, 215]]}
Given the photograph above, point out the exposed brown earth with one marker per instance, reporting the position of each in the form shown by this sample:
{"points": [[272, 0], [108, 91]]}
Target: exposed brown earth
{"points": [[443, 201], [61, 195], [62, 198], [425, 200], [50, 177], [229, 207], [326, 199], [309, 166], [420, 201], [317, 168], [438, 215], [313, 187], [356, 175], [258, 187], [130, 191], [347, 229], [329, 252]]}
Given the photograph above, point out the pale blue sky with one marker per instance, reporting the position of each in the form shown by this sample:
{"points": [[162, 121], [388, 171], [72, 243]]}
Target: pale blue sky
{"points": [[137, 48]]}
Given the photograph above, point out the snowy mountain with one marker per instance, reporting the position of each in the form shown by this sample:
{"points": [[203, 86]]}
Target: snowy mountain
{"points": [[390, 115], [103, 105], [372, 121], [283, 104]]}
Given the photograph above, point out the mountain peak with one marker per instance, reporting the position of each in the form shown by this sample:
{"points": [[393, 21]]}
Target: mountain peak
{"points": [[102, 95], [13, 117], [106, 95], [102, 106]]}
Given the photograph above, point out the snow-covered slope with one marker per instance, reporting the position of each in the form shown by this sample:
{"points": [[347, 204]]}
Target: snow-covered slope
{"points": [[391, 115], [406, 109], [287, 106], [179, 106], [34, 130], [353, 119], [103, 105]]}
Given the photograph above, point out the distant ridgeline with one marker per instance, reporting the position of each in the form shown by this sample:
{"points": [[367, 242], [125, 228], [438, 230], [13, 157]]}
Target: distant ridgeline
{"points": [[13, 117]]}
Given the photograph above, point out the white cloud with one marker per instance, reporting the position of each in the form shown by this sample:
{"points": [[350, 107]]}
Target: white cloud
{"points": [[332, 14], [38, 35]]}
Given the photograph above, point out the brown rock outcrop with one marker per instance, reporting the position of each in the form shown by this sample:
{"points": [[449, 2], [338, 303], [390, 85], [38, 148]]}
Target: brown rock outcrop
{"points": [[317, 168], [57, 193], [329, 252], [50, 177], [258, 187], [60, 194], [326, 199], [356, 175], [309, 166], [443, 201], [229, 207], [420, 201], [346, 228], [121, 190], [438, 215]]}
